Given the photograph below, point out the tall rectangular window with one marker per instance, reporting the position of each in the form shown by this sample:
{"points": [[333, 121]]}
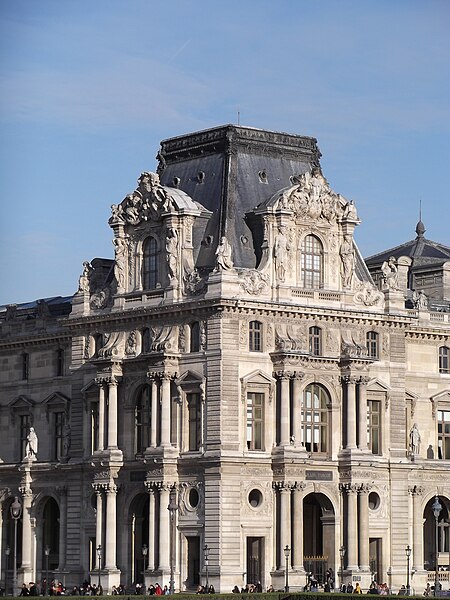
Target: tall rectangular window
{"points": [[255, 420], [443, 434], [59, 362], [25, 366], [444, 359], [58, 435], [312, 262], [25, 424], [195, 421], [373, 426], [255, 336], [94, 425]]}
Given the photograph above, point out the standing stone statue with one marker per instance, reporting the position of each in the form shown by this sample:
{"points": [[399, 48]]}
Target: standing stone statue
{"points": [[67, 440], [83, 284], [31, 446], [280, 253], [172, 252], [348, 260], [414, 440], [120, 246]]}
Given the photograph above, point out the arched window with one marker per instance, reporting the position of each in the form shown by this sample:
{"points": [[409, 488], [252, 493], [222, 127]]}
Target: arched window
{"points": [[312, 262], [194, 342], [150, 264], [372, 344], [315, 418], [315, 341], [142, 416], [255, 336], [444, 359]]}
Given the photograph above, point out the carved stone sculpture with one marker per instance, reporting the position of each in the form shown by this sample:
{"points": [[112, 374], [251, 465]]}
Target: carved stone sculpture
{"points": [[223, 255], [280, 251], [414, 440], [172, 252], [31, 446], [83, 284], [390, 274], [348, 260]]}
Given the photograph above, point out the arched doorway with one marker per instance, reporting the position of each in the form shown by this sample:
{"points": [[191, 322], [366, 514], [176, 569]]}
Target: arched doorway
{"points": [[139, 539], [50, 536], [318, 535], [443, 535]]}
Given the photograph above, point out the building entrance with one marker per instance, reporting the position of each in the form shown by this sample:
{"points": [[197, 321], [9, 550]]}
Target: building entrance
{"points": [[255, 559]]}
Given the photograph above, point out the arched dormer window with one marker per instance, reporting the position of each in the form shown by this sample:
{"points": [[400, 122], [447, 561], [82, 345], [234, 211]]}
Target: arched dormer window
{"points": [[255, 341], [315, 341], [142, 419], [150, 272], [372, 344], [312, 262], [315, 418]]}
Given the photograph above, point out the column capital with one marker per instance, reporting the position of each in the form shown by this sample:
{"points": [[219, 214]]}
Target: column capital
{"points": [[363, 380], [348, 379], [416, 490], [349, 488], [364, 488], [284, 486]]}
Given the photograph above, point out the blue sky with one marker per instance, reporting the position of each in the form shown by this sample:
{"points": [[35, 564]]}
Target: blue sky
{"points": [[89, 88]]}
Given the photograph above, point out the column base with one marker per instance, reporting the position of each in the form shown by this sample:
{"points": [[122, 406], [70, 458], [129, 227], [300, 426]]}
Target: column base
{"points": [[108, 578]]}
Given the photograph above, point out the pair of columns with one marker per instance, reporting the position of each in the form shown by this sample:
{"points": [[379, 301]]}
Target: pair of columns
{"points": [[107, 405], [291, 521], [356, 394], [357, 512], [108, 491], [285, 424], [159, 523]]}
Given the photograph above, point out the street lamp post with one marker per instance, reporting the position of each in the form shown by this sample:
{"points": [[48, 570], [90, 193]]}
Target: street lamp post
{"points": [[287, 552], [47, 554], [436, 508], [7, 553], [16, 511], [144, 554], [206, 561], [408, 556], [172, 508], [99, 559], [342, 554]]}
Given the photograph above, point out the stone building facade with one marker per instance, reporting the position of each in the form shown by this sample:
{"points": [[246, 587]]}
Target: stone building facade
{"points": [[232, 385]]}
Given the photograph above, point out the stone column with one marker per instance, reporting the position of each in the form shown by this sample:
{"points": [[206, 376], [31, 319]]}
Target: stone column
{"points": [[101, 416], [297, 542], [153, 425], [165, 410], [62, 527], [362, 409], [164, 527], [364, 527], [110, 542], [284, 409], [98, 515], [352, 526], [297, 411], [417, 554], [285, 519], [27, 499], [151, 529], [112, 413], [351, 411]]}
